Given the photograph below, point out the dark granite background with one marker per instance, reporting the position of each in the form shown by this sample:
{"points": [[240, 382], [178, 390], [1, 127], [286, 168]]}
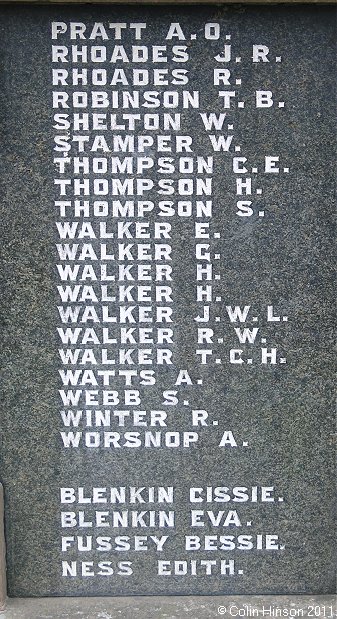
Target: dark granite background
{"points": [[286, 259]]}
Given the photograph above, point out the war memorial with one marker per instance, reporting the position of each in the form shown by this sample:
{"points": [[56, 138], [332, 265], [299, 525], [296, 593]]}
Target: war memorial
{"points": [[167, 177]]}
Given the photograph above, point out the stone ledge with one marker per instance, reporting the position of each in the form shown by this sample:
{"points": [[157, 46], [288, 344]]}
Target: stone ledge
{"points": [[168, 607], [169, 2]]}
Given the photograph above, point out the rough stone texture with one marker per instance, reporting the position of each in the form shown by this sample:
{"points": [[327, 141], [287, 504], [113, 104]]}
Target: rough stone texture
{"points": [[285, 412], [3, 588]]}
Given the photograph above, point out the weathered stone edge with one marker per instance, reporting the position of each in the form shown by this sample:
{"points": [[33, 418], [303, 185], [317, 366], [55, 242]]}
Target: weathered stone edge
{"points": [[3, 580], [154, 2]]}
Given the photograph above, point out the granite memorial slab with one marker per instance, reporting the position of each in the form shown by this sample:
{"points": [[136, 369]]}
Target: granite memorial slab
{"points": [[167, 196]]}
